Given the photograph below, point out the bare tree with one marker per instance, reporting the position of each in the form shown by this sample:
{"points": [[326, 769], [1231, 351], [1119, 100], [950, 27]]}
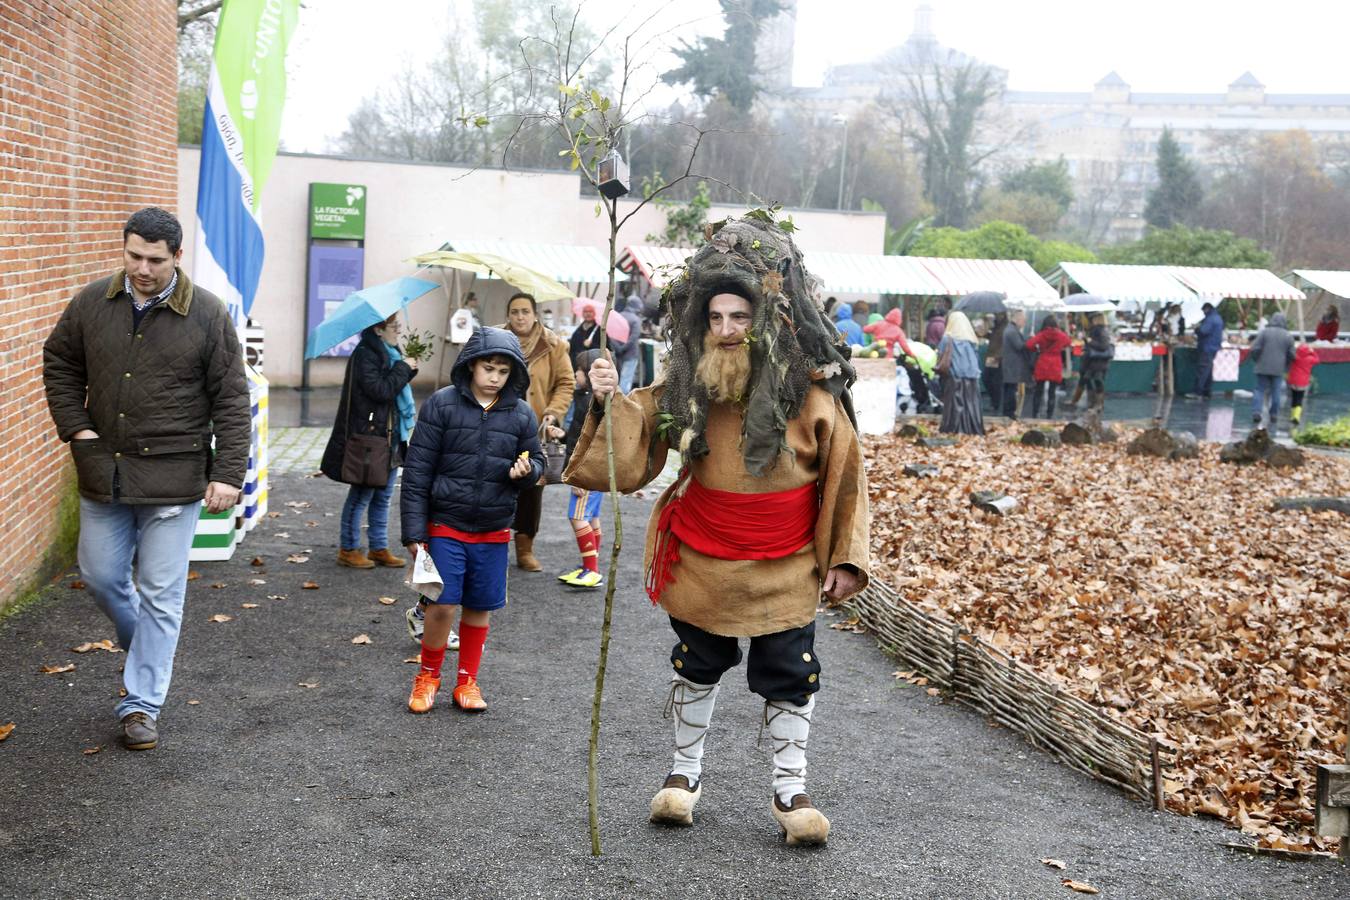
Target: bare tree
{"points": [[945, 108]]}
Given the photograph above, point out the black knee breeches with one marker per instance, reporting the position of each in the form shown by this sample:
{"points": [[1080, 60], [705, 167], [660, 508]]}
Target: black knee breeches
{"points": [[782, 666]]}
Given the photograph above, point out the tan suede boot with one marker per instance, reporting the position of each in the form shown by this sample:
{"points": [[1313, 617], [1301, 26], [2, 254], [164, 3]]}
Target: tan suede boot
{"points": [[355, 559], [385, 558], [525, 554]]}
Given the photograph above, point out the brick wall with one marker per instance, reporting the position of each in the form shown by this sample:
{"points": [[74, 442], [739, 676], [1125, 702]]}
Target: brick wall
{"points": [[88, 110]]}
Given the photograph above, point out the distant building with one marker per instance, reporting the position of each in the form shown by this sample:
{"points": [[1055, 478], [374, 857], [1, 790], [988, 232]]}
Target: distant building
{"points": [[1108, 136]]}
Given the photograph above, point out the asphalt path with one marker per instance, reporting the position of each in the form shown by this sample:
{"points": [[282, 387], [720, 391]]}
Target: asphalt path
{"points": [[263, 787]]}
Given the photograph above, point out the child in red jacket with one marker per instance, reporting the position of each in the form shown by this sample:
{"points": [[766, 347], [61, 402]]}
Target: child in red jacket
{"points": [[1300, 375], [1050, 343]]}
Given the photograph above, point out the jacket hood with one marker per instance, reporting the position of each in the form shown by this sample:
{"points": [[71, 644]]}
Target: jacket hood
{"points": [[492, 342], [893, 317], [1278, 321], [634, 305], [844, 313]]}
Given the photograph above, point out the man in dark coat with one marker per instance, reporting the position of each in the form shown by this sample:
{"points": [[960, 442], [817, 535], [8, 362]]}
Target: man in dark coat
{"points": [[142, 371], [1015, 361], [1208, 341]]}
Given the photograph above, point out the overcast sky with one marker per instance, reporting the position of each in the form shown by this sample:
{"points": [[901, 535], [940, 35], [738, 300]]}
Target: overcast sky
{"points": [[341, 51]]}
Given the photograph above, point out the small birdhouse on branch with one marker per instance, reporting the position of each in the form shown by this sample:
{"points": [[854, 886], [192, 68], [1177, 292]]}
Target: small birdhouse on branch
{"points": [[613, 176]]}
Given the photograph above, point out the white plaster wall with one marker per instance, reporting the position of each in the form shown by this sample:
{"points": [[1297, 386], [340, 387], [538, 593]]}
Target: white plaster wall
{"points": [[412, 208]]}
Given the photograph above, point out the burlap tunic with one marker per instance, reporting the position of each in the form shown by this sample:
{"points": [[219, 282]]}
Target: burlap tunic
{"points": [[742, 598]]}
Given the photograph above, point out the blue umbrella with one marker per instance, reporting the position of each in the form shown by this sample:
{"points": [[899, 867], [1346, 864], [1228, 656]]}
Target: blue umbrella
{"points": [[362, 309]]}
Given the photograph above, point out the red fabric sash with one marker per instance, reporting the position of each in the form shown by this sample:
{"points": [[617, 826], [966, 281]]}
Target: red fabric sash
{"points": [[729, 525]]}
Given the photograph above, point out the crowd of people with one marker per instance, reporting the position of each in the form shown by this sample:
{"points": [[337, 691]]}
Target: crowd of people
{"points": [[1022, 373]]}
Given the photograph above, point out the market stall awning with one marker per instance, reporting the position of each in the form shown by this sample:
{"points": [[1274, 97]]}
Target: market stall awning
{"points": [[1239, 284], [1132, 285], [659, 265], [1013, 278], [864, 273], [568, 263], [1331, 281]]}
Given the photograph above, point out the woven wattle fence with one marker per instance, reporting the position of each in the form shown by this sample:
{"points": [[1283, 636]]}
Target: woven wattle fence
{"points": [[986, 679]]}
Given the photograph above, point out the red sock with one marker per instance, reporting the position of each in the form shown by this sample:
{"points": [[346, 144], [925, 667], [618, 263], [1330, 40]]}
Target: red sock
{"points": [[593, 562], [432, 657], [583, 536], [471, 640]]}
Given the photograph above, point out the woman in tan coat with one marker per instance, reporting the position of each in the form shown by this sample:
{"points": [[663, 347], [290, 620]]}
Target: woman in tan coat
{"points": [[550, 393]]}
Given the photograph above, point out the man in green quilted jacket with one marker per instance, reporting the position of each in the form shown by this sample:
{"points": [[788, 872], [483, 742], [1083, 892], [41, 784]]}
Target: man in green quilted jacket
{"points": [[143, 373]]}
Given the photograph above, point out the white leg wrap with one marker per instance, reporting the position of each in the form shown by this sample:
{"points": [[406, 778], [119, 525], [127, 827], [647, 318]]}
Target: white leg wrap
{"points": [[789, 725], [691, 705]]}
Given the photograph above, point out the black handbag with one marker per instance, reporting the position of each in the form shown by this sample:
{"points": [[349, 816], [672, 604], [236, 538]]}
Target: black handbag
{"points": [[367, 459], [555, 457]]}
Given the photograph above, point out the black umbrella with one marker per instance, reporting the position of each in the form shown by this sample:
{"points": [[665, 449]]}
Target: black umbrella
{"points": [[982, 302], [1087, 303]]}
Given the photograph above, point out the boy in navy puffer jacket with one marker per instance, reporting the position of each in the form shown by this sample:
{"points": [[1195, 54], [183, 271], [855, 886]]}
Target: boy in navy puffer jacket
{"points": [[476, 445]]}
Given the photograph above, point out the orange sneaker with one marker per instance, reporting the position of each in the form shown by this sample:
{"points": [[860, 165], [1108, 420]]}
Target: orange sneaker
{"points": [[468, 697], [424, 692]]}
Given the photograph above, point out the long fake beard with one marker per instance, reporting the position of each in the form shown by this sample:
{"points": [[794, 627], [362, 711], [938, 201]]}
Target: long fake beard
{"points": [[725, 373]]}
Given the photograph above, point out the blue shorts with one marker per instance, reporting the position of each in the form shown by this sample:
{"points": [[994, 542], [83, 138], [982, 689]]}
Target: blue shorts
{"points": [[474, 575], [587, 506]]}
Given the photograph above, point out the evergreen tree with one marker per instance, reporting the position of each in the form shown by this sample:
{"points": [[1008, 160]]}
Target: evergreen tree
{"points": [[725, 67], [1178, 194]]}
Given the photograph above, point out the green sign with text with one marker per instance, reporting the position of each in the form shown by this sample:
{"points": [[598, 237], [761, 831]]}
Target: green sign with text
{"points": [[337, 211]]}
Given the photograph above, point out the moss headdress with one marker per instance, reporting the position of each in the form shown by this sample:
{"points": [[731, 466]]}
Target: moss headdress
{"points": [[792, 342]]}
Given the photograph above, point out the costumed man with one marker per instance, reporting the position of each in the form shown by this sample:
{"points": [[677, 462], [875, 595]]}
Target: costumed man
{"points": [[769, 510]]}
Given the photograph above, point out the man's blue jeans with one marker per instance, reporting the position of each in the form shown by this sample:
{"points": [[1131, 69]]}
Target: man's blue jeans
{"points": [[627, 369], [145, 605], [1272, 385], [353, 511]]}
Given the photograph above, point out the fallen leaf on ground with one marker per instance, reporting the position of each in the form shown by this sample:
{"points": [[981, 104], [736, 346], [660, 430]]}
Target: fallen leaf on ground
{"points": [[361, 639], [104, 644], [933, 692], [309, 684], [57, 670], [248, 606], [121, 692], [274, 515], [276, 597], [193, 702], [387, 601], [193, 576], [258, 561], [414, 659], [220, 617], [1081, 887], [77, 585], [299, 504], [90, 751], [257, 581], [1126, 584], [1054, 863], [310, 586], [297, 558], [282, 534], [309, 523], [219, 584], [5, 729]]}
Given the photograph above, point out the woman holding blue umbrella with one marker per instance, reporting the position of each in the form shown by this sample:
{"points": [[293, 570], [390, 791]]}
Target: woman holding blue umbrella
{"points": [[377, 402]]}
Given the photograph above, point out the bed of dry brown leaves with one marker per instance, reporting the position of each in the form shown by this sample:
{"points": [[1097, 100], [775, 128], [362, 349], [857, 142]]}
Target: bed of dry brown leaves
{"points": [[1167, 593]]}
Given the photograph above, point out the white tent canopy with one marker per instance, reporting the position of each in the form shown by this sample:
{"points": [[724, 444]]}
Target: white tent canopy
{"points": [[1131, 286], [865, 273], [1331, 281], [568, 263]]}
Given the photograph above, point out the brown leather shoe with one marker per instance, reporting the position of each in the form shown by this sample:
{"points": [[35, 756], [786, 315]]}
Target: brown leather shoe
{"points": [[139, 731], [525, 554], [355, 559], [385, 558]]}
